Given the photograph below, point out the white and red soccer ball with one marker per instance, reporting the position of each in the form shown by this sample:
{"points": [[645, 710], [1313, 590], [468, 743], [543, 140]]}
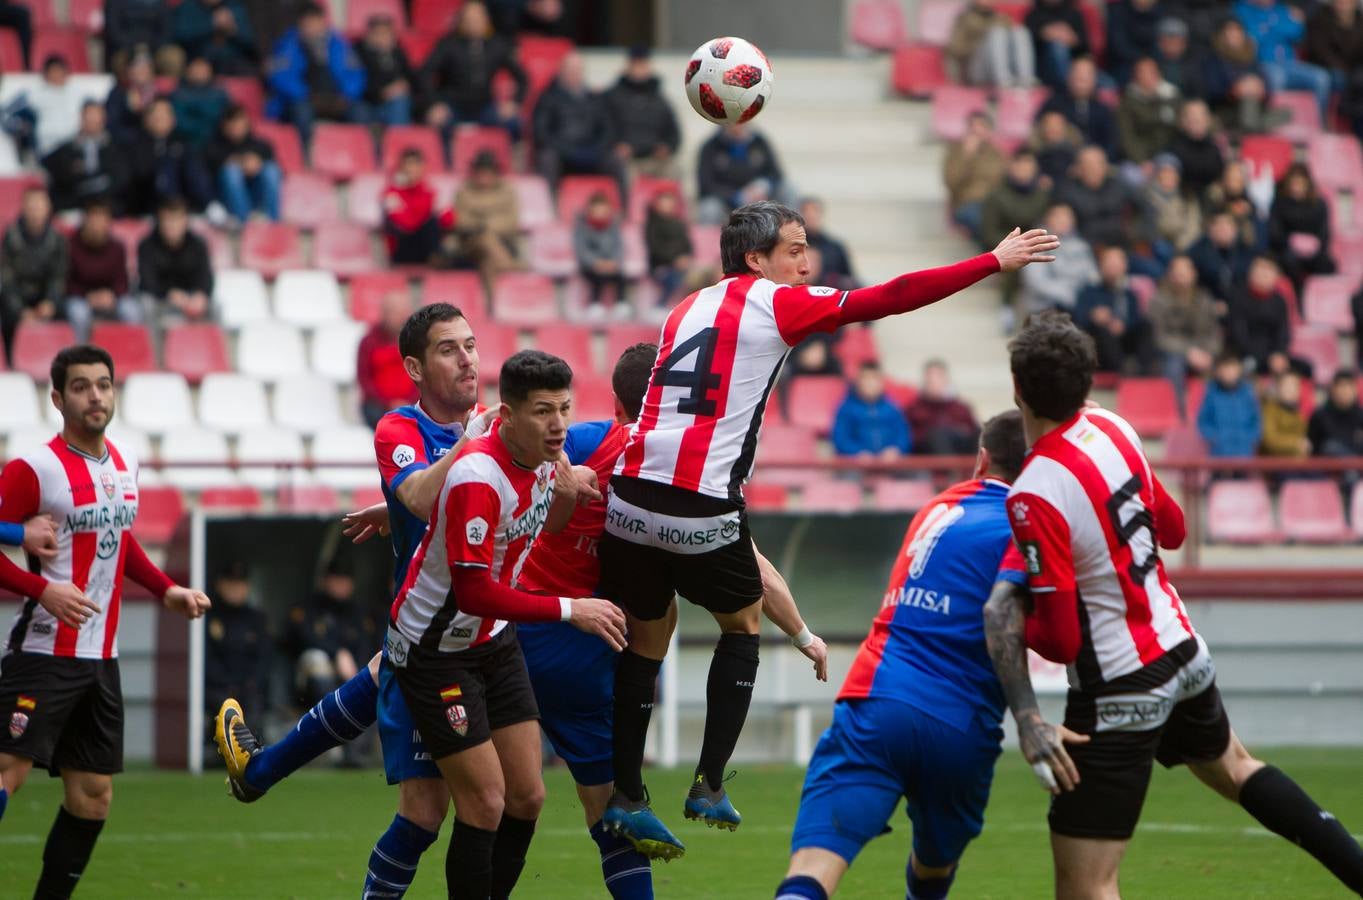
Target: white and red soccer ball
{"points": [[728, 80]]}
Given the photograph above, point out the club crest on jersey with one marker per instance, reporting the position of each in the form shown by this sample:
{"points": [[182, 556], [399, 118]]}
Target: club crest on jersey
{"points": [[18, 724], [403, 456], [475, 530], [107, 482], [541, 478], [458, 719]]}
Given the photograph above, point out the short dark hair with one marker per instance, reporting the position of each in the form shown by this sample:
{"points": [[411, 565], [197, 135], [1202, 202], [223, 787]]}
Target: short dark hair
{"points": [[311, 9], [1347, 376], [1053, 363], [415, 336], [631, 375], [234, 110], [78, 355], [172, 203], [868, 365], [411, 153], [56, 59], [532, 370], [756, 226], [99, 203], [1005, 441]]}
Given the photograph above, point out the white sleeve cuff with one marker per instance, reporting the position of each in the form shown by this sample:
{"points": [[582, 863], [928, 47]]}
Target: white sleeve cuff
{"points": [[565, 609]]}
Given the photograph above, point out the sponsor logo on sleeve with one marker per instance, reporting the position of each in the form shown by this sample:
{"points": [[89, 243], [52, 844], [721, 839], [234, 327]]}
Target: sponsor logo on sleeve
{"points": [[475, 530], [1031, 554], [822, 291], [403, 456]]}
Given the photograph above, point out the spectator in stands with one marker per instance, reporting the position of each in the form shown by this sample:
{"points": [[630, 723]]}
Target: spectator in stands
{"points": [[1184, 324], [1277, 29], [173, 268], [1257, 324], [867, 424], [87, 166], [1284, 426], [1110, 313], [736, 166], [413, 226], [1334, 40], [17, 18], [56, 103], [199, 103], [573, 130], [1021, 200], [1299, 227], [243, 163], [1231, 195], [1104, 206], [32, 267], [219, 31], [1235, 84], [97, 274], [133, 27], [128, 101], [238, 651], [642, 123], [1175, 216], [389, 77], [1199, 157], [488, 217], [989, 49], [1059, 36], [1336, 427], [1179, 62], [1222, 256], [836, 263], [972, 170], [1079, 103], [1148, 114], [1132, 33], [161, 165], [600, 251], [1356, 306], [1056, 143], [459, 72], [813, 356], [941, 423], [1058, 287], [314, 75], [329, 636], [667, 236], [380, 371], [1229, 419]]}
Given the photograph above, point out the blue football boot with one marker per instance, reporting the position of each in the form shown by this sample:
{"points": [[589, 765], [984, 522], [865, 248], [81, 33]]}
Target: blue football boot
{"points": [[711, 807], [636, 822]]}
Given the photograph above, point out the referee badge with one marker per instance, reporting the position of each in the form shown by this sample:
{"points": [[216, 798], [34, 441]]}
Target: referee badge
{"points": [[458, 719], [18, 723]]}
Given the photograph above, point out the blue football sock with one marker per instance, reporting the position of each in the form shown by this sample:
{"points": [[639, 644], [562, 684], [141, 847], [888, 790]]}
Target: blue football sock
{"points": [[392, 865], [4, 801], [626, 870], [340, 716], [801, 887], [928, 888]]}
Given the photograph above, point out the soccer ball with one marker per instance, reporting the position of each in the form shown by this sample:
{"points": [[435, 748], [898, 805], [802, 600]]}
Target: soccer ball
{"points": [[728, 80]]}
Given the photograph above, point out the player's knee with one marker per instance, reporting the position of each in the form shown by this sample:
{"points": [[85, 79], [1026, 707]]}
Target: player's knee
{"points": [[746, 621], [423, 804], [14, 773], [525, 801], [481, 806], [89, 796]]}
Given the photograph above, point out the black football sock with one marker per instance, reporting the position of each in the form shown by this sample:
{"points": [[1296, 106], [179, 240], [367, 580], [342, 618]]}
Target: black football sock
{"points": [[1285, 809], [733, 669], [508, 854], [69, 845], [636, 679], [468, 862]]}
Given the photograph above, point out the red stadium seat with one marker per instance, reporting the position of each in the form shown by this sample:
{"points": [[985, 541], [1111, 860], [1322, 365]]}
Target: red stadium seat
{"points": [[159, 511], [1144, 287], [762, 497], [471, 140], [11, 53], [786, 445], [86, 15], [593, 397], [1240, 512], [902, 495], [533, 199], [705, 245], [344, 249], [288, 149], [1336, 161], [645, 188], [1325, 301], [367, 291], [1312, 512], [195, 350], [900, 394], [1096, 31], [461, 289], [1356, 505], [1185, 441], [12, 189], [524, 298], [935, 20], [417, 45], [813, 401], [434, 17], [550, 250], [1017, 111], [496, 343], [634, 262], [307, 499], [952, 107], [364, 199], [220, 252], [309, 200], [856, 346], [1148, 404], [399, 138], [35, 343], [341, 152], [1266, 150], [129, 345], [572, 344], [239, 498], [918, 70], [1347, 249], [360, 498], [248, 93], [66, 42], [271, 247], [1194, 390], [357, 14], [42, 13], [1320, 345], [575, 190], [1305, 112], [829, 495], [878, 24], [541, 57], [620, 338]]}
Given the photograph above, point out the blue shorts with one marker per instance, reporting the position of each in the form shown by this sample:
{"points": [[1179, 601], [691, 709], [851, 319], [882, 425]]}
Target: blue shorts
{"points": [[879, 750], [404, 755], [573, 675]]}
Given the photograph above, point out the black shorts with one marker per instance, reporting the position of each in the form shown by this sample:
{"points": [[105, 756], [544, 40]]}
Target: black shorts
{"points": [[62, 712], [652, 549], [458, 699]]}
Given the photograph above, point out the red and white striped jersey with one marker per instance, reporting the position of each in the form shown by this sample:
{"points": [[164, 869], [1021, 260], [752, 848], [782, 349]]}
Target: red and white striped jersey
{"points": [[489, 513], [94, 502], [718, 358], [1089, 515]]}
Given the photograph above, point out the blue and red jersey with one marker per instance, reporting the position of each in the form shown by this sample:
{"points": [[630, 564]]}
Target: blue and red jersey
{"points": [[926, 647]]}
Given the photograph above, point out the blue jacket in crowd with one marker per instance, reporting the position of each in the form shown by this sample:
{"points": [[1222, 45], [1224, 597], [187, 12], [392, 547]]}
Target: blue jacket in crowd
{"points": [[862, 427], [1229, 420], [288, 78], [1275, 31]]}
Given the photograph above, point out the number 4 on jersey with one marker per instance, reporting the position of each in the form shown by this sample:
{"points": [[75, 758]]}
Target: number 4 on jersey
{"points": [[700, 379]]}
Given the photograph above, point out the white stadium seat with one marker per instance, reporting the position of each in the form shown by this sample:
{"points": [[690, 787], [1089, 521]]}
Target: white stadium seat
{"points": [[232, 403], [22, 440], [156, 401], [352, 445], [268, 445], [131, 441], [307, 403], [307, 297], [270, 350], [19, 400], [196, 445], [334, 348], [240, 297]]}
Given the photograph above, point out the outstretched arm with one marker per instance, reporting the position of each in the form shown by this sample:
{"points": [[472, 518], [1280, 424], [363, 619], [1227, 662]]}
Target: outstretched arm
{"points": [[778, 605]]}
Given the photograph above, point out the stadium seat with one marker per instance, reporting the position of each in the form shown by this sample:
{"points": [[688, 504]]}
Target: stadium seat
{"points": [[620, 338], [271, 247], [398, 138], [196, 349], [417, 45], [705, 245], [575, 190], [1240, 512], [644, 189], [541, 58], [1266, 150], [344, 458], [1336, 161], [496, 343], [307, 297], [156, 402], [240, 297], [1325, 302], [571, 343], [535, 203], [367, 291], [1017, 109], [1148, 404], [304, 497], [18, 402], [1305, 112], [901, 495], [935, 20], [952, 106], [1347, 249], [462, 289], [131, 441], [65, 42], [220, 252], [159, 511], [343, 248], [1320, 346], [35, 343], [764, 497], [786, 445], [288, 149], [1312, 512], [12, 188], [813, 400], [129, 345], [357, 13], [550, 250], [307, 403], [1356, 506], [856, 346], [471, 140], [195, 458], [232, 403], [878, 24], [434, 17], [918, 70], [334, 350], [902, 395], [42, 13], [524, 298], [308, 200], [634, 264], [86, 15], [11, 54], [130, 232], [593, 398], [341, 152], [270, 350], [364, 199], [20, 440], [246, 92], [1185, 441], [267, 456], [241, 498], [829, 495]]}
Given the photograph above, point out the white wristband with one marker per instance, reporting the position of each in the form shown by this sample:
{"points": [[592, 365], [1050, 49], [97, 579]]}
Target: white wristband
{"points": [[565, 609], [803, 639]]}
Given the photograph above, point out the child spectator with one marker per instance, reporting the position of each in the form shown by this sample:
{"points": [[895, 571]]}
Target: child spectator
{"points": [[1057, 286], [413, 227], [1021, 200], [388, 74], [459, 73], [940, 422], [56, 102], [600, 256], [1299, 227], [1080, 104], [989, 49], [1111, 314], [972, 170], [32, 267], [220, 32], [488, 216], [1277, 29], [199, 103], [380, 371], [313, 75], [1336, 427], [1284, 426], [1257, 324], [97, 274], [247, 175], [1059, 36], [173, 267], [668, 239], [1175, 217], [1229, 420], [572, 129], [867, 424], [1056, 143], [1183, 321], [1148, 114]]}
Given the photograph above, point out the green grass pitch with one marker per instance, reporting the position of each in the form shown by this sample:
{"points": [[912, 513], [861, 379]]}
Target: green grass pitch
{"points": [[173, 835]]}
